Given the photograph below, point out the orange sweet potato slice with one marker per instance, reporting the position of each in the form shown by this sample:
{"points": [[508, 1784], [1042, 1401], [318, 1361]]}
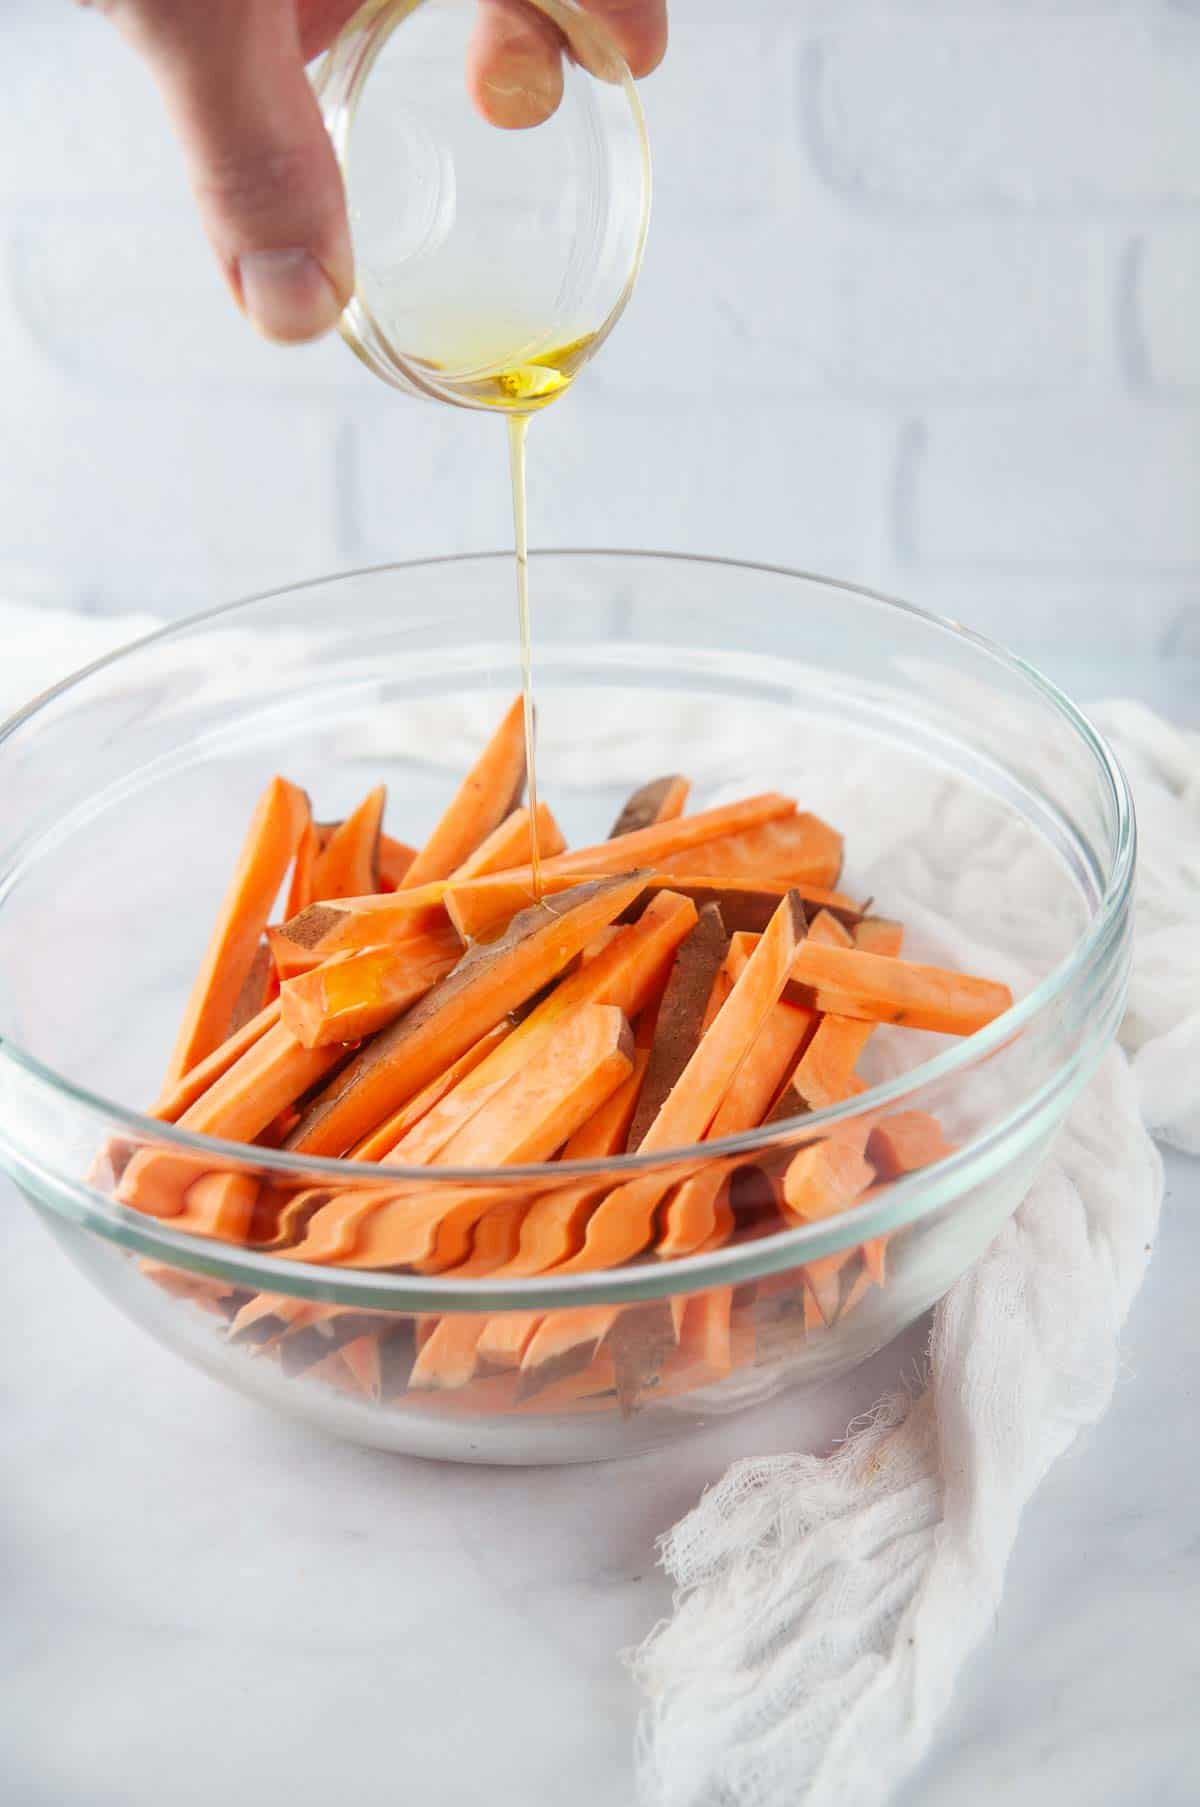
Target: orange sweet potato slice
{"points": [[177, 1098], [905, 1141], [219, 1205], [274, 834], [662, 800], [490, 791], [395, 863], [606, 1131], [680, 1020], [343, 925], [876, 988], [799, 847], [480, 906], [825, 1178], [348, 864], [508, 845], [382, 1141], [647, 847], [487, 983], [355, 995]]}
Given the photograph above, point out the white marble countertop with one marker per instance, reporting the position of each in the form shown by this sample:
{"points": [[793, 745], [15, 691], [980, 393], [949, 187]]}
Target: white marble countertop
{"points": [[206, 1602]]}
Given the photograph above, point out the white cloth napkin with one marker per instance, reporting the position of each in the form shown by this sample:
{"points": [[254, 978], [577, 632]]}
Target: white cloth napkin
{"points": [[826, 1605]]}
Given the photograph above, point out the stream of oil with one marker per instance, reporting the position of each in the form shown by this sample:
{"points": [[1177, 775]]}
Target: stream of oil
{"points": [[523, 390], [518, 425]]}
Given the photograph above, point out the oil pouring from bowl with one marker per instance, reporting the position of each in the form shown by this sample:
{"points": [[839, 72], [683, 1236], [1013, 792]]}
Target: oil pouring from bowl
{"points": [[491, 264]]}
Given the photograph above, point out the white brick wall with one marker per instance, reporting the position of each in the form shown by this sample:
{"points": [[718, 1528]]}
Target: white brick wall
{"points": [[921, 307]]}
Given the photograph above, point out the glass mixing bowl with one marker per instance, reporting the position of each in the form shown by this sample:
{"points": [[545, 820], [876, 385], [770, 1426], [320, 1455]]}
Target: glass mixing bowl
{"points": [[977, 804]]}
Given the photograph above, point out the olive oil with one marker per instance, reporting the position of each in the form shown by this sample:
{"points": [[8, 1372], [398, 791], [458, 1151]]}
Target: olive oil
{"points": [[522, 390]]}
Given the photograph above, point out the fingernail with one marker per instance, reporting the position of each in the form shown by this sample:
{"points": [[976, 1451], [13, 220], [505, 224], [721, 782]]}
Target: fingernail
{"points": [[287, 294], [524, 91]]}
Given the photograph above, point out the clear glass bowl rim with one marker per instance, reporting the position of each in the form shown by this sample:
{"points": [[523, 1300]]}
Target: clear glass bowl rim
{"points": [[903, 1202]]}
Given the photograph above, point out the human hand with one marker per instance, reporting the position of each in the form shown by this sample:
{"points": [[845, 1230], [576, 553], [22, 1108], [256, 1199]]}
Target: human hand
{"points": [[261, 166]]}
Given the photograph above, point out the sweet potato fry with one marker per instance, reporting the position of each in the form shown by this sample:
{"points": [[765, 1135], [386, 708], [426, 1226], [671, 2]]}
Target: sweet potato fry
{"points": [[219, 1205], [662, 800], [648, 847], [489, 792], [345, 924], [606, 1131], [480, 906], [260, 987], [392, 1131], [905, 1141], [876, 988], [825, 929], [274, 834], [177, 1098], [348, 863], [799, 847], [680, 1017], [825, 1178], [508, 845], [823, 1074], [355, 995], [272, 1072], [395, 862]]}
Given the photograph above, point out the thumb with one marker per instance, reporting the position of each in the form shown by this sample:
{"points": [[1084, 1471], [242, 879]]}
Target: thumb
{"points": [[261, 165]]}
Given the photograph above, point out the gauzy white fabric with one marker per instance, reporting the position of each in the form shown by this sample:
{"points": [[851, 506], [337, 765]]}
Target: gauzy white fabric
{"points": [[826, 1605]]}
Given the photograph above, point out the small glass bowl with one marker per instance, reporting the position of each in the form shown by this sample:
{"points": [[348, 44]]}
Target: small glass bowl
{"points": [[491, 264], [972, 795]]}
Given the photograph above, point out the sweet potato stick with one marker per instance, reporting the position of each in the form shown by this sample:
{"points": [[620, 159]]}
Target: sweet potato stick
{"points": [[605, 1132], [346, 924], [219, 1204], [355, 995], [447, 1357], [825, 929], [823, 1074], [722, 985], [173, 1102], [680, 1016], [905, 1141], [689, 1216], [874, 988], [662, 800], [383, 1140], [487, 983], [348, 863], [876, 935], [479, 906], [527, 1120], [825, 1178], [647, 846], [799, 847], [623, 1223], [488, 793], [624, 974], [300, 886], [257, 992], [823, 1289], [273, 837], [508, 844], [273, 1072], [395, 862]]}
